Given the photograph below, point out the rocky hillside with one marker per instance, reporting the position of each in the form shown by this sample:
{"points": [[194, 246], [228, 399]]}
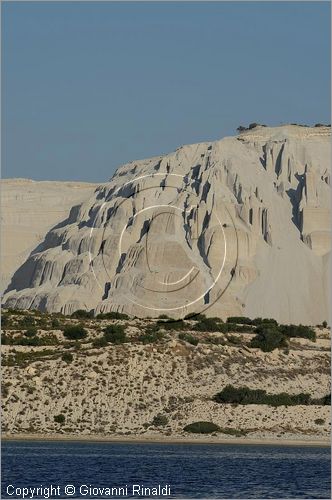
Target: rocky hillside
{"points": [[239, 226], [158, 378]]}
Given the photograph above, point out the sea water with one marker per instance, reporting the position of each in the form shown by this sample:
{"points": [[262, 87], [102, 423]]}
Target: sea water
{"points": [[49, 469]]}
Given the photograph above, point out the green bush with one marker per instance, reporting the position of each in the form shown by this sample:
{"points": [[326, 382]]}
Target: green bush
{"points": [[115, 334], [26, 322], [4, 390], [232, 339], [212, 325], [151, 335], [251, 126], [28, 341], [112, 315], [6, 340], [202, 428], [264, 321], [268, 338], [209, 325], [55, 323], [233, 327], [5, 320], [172, 324], [31, 332], [59, 419], [242, 320], [216, 319], [301, 331], [82, 314], [67, 357], [326, 400], [319, 421], [246, 396], [188, 338], [100, 342], [270, 335], [160, 420], [75, 332]]}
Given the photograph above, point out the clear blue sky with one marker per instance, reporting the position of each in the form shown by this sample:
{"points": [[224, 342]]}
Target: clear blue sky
{"points": [[88, 86]]}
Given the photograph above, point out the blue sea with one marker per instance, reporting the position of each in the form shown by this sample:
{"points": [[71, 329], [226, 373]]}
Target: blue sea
{"points": [[91, 470]]}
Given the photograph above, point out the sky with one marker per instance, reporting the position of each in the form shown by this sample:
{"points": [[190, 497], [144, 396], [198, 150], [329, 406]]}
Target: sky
{"points": [[89, 86]]}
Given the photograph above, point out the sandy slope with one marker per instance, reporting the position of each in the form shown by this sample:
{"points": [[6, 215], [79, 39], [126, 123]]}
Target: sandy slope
{"points": [[117, 391]]}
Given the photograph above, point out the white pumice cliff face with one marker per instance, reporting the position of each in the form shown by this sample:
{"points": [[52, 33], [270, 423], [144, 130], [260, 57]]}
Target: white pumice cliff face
{"points": [[29, 209], [239, 226]]}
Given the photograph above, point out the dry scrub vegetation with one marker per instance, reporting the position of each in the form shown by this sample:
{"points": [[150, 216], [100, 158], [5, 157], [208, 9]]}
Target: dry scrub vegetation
{"points": [[112, 375]]}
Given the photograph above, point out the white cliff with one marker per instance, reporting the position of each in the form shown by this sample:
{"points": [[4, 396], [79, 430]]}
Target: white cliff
{"points": [[239, 226], [29, 209]]}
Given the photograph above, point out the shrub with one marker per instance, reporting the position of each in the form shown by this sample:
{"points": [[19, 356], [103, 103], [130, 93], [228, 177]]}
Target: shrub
{"points": [[253, 125], [242, 395], [59, 419], [250, 126], [55, 323], [202, 428], [172, 324], [264, 321], [326, 400], [81, 313], [6, 340], [28, 341], [4, 390], [75, 332], [245, 396], [31, 332], [115, 334], [305, 332], [242, 320], [100, 342], [151, 335], [163, 316], [268, 338], [4, 320], [209, 325], [43, 340], [112, 315], [26, 322], [216, 319], [324, 324], [319, 421], [232, 339], [67, 357], [160, 420], [188, 338], [233, 327]]}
